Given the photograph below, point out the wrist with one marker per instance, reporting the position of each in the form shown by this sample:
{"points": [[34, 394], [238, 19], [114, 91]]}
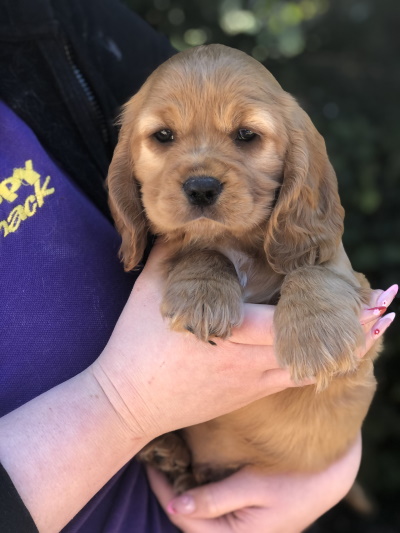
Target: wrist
{"points": [[125, 398], [119, 418]]}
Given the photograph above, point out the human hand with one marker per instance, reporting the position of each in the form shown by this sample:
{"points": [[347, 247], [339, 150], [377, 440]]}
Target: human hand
{"points": [[252, 501], [153, 376], [373, 326]]}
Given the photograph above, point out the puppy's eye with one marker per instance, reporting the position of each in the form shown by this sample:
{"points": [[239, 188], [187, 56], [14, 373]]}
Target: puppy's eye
{"points": [[164, 136], [245, 135]]}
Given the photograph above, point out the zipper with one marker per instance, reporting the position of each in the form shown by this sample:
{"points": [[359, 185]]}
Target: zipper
{"points": [[97, 113]]}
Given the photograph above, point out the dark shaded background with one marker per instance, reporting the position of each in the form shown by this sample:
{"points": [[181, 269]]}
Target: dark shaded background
{"points": [[340, 58]]}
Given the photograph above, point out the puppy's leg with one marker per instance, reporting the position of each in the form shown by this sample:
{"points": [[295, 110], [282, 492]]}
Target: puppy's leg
{"points": [[170, 454], [317, 328], [203, 294]]}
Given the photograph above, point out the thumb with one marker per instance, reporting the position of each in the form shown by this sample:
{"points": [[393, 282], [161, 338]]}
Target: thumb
{"points": [[215, 499]]}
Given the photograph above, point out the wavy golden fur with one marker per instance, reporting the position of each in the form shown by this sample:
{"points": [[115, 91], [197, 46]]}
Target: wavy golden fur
{"points": [[215, 157]]}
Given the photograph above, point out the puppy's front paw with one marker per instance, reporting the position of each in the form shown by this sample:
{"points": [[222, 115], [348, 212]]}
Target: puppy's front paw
{"points": [[317, 347], [317, 333], [207, 308]]}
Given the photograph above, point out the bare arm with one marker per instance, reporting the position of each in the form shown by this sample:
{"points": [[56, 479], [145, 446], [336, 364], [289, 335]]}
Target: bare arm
{"points": [[62, 447]]}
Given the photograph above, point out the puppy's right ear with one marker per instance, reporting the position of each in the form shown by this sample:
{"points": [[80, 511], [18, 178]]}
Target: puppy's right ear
{"points": [[125, 204]]}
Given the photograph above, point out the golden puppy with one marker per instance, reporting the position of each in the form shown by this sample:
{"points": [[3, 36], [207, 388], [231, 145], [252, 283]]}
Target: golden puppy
{"points": [[215, 157]]}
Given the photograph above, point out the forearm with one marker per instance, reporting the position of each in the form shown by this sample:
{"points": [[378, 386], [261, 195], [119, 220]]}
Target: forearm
{"points": [[62, 447]]}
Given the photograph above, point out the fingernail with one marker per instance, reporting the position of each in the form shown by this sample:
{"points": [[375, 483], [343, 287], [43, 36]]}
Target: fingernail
{"points": [[372, 314], [386, 298], [182, 505], [382, 324], [170, 508]]}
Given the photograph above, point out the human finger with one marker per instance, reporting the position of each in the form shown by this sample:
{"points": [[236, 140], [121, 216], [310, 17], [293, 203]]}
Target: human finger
{"points": [[279, 379], [379, 329], [217, 499], [257, 326], [386, 298], [380, 301], [372, 321], [160, 486], [166, 495], [374, 331]]}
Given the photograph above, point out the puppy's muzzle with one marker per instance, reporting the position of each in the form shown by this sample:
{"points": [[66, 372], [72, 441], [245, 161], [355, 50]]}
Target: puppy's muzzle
{"points": [[202, 191]]}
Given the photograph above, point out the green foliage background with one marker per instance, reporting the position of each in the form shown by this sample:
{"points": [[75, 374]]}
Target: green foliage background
{"points": [[340, 58]]}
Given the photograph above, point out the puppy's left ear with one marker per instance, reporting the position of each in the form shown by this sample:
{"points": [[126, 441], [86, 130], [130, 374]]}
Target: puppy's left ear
{"points": [[125, 203], [306, 224]]}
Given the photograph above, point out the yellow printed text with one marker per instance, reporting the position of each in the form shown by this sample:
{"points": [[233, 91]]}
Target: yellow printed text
{"points": [[10, 192]]}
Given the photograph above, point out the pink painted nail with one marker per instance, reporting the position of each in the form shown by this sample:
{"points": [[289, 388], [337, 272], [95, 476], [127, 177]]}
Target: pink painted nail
{"points": [[372, 314], [170, 508], [386, 298], [183, 504], [377, 310], [382, 324]]}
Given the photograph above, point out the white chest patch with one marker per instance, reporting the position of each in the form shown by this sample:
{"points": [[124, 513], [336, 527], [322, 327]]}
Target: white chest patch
{"points": [[259, 282], [242, 263]]}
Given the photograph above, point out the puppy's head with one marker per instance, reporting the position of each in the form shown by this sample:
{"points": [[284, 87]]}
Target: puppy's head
{"points": [[205, 147]]}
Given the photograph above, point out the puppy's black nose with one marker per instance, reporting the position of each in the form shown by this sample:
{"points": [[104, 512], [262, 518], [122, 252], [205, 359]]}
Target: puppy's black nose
{"points": [[202, 190]]}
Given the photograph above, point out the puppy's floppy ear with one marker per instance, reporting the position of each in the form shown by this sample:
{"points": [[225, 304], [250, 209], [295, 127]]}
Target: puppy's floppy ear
{"points": [[125, 204], [306, 224]]}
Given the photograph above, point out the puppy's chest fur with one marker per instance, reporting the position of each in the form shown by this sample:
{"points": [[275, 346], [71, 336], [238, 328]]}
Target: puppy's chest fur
{"points": [[260, 284]]}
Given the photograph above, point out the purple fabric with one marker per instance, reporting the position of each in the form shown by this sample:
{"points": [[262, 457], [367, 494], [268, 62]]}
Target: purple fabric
{"points": [[62, 289]]}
